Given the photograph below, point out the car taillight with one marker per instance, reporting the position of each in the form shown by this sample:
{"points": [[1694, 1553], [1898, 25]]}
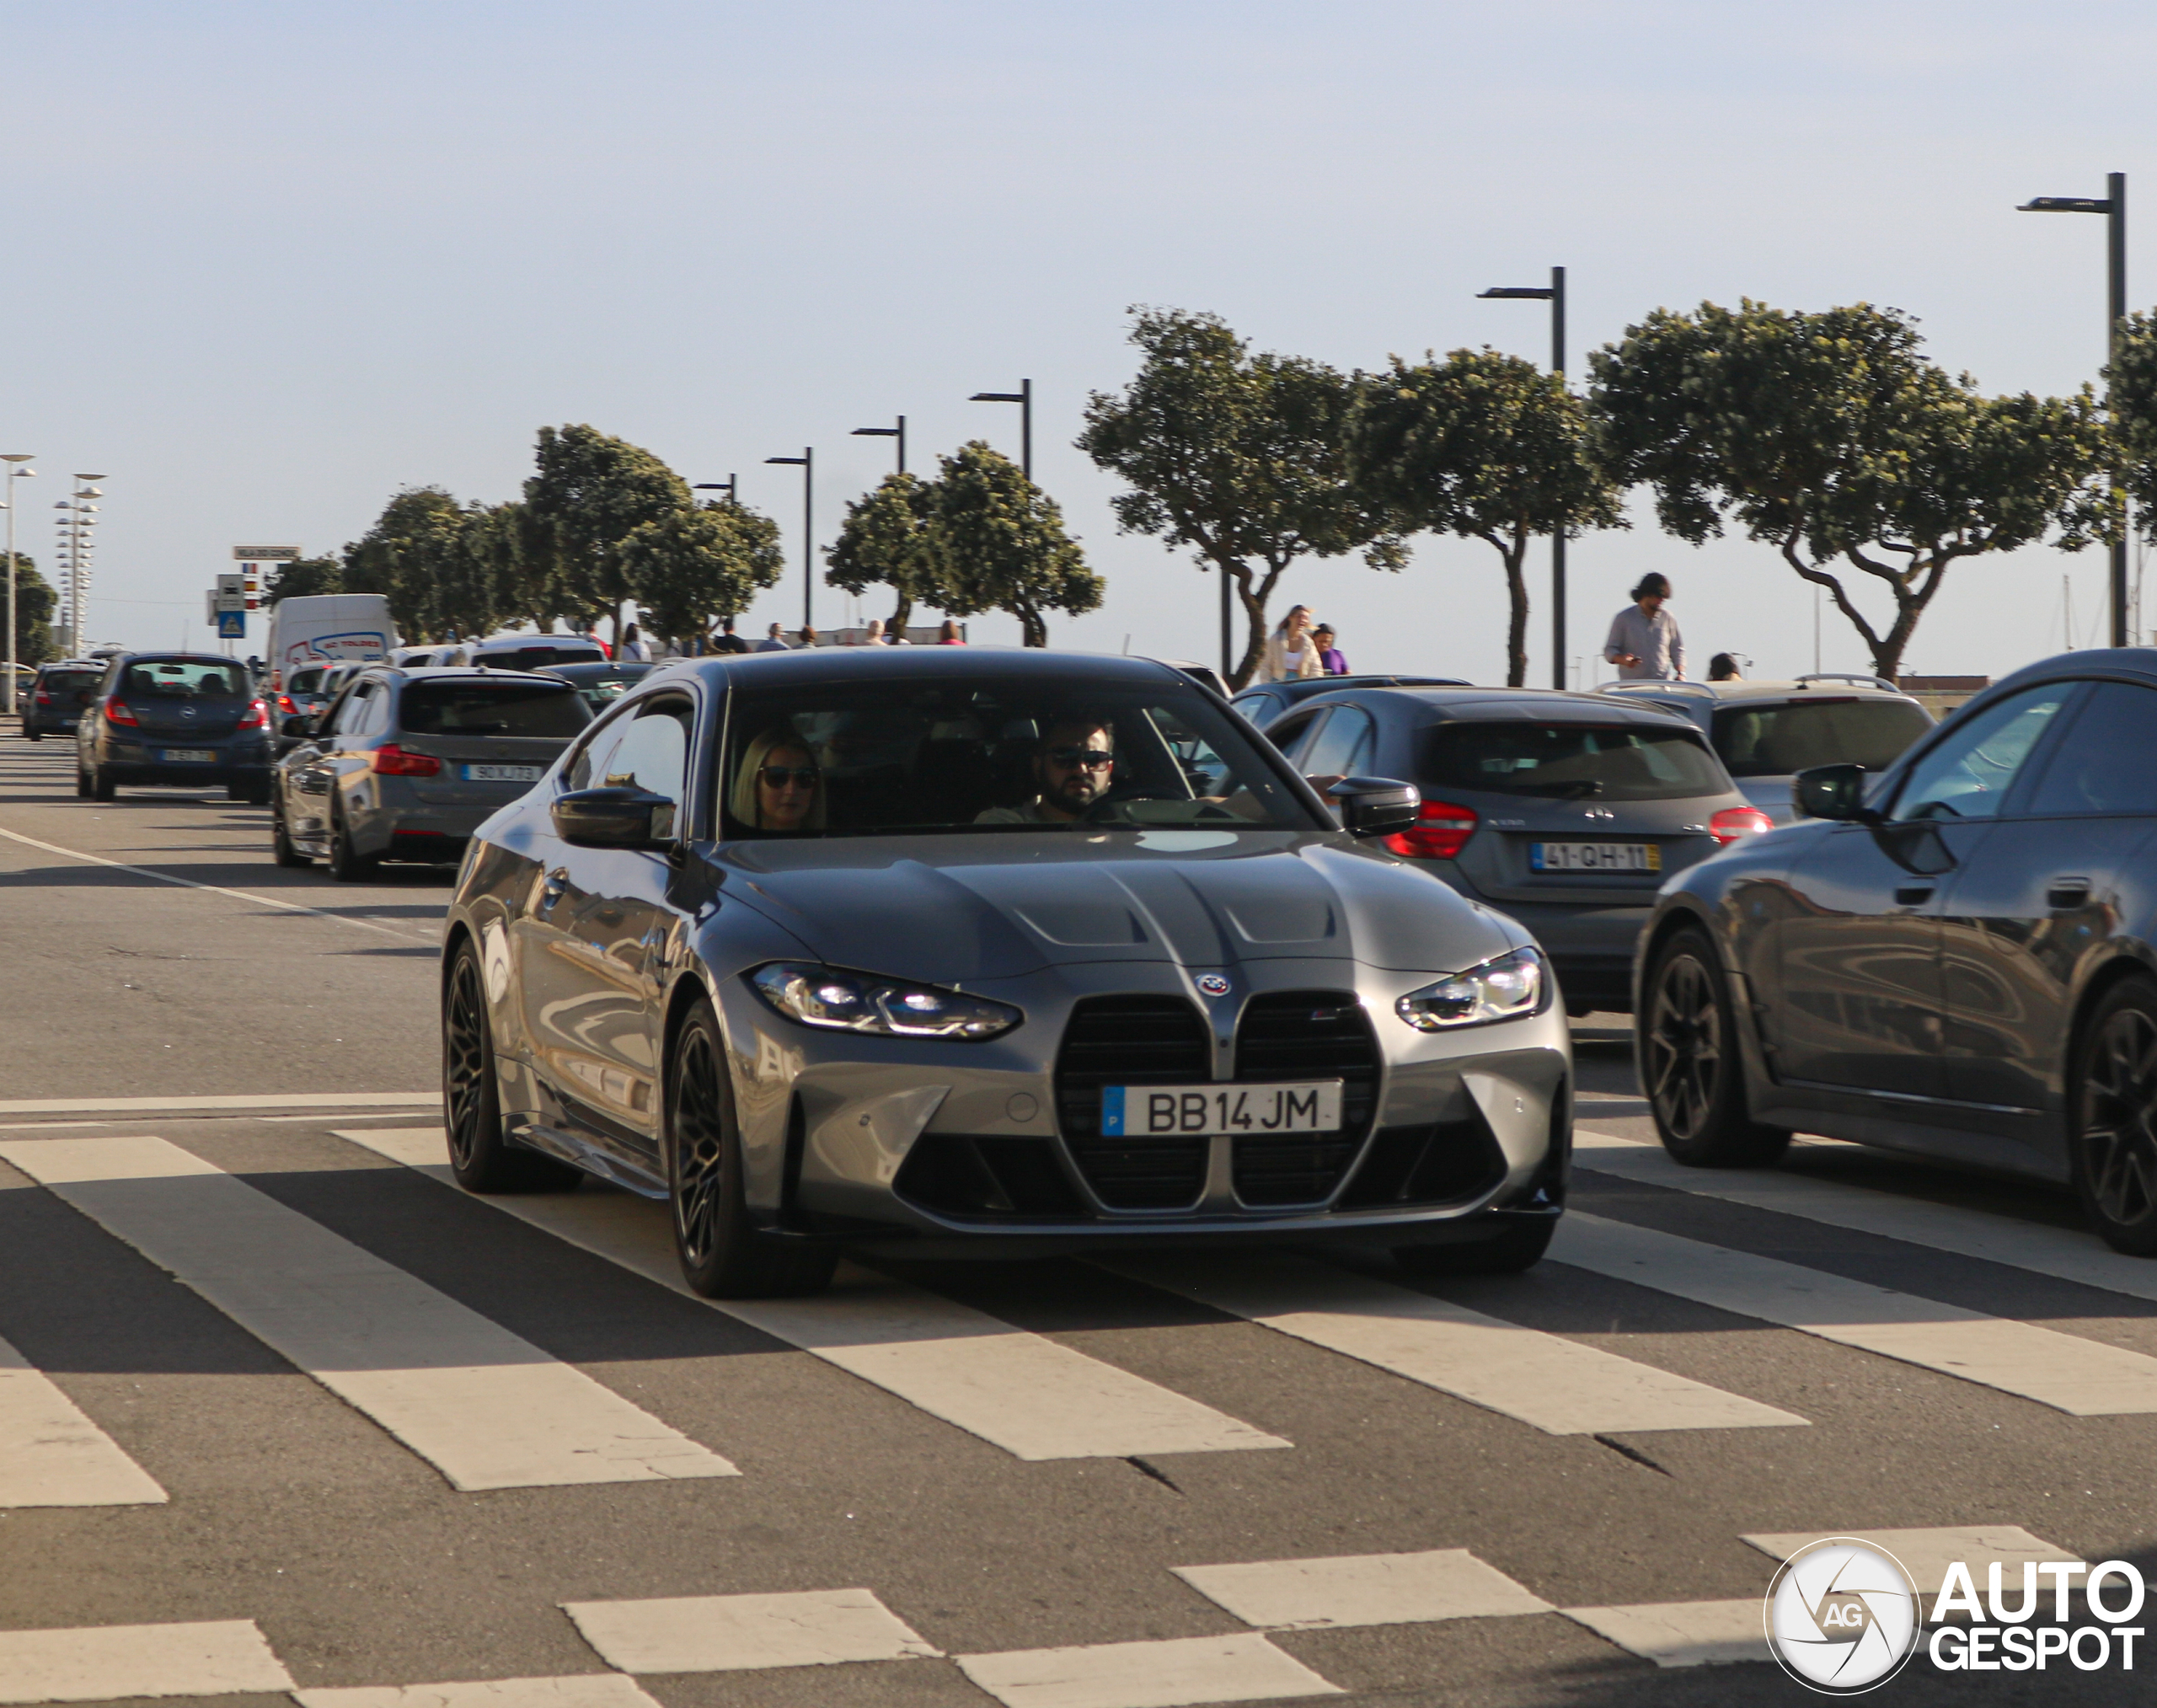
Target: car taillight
{"points": [[1440, 832], [257, 717], [118, 711], [286, 707], [393, 761], [1733, 823], [43, 698]]}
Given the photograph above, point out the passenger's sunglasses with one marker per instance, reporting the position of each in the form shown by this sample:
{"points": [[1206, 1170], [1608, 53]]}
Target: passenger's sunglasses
{"points": [[779, 776], [1071, 758]]}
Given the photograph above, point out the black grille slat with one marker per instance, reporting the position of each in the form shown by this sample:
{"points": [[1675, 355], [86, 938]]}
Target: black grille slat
{"points": [[1305, 1034], [1132, 1041]]}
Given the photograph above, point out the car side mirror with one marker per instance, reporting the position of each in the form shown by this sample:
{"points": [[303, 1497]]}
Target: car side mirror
{"points": [[614, 817], [1832, 791], [297, 727], [1375, 805]]}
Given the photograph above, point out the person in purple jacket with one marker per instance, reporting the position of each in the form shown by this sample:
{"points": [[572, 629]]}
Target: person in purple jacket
{"points": [[1328, 656]]}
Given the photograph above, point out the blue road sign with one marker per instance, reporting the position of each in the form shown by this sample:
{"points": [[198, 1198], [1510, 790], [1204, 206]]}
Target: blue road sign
{"points": [[232, 625]]}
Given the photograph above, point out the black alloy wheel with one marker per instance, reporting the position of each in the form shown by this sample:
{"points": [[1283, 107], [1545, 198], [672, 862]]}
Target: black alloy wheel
{"points": [[480, 1155], [282, 848], [723, 1254], [1516, 1246], [2112, 1100], [1689, 1058], [347, 865]]}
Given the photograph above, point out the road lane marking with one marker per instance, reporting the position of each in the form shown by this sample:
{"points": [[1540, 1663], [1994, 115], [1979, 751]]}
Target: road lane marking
{"points": [[1926, 1554], [739, 1633], [583, 1690], [52, 1455], [1683, 1633], [152, 872], [1362, 1589], [2064, 1254], [487, 1409], [337, 1102], [98, 1663], [2082, 1377], [1243, 1668], [1559, 1386], [1034, 1397]]}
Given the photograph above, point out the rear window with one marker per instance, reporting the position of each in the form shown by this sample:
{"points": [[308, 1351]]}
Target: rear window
{"points": [[185, 678], [70, 680], [539, 657], [1571, 762], [481, 709], [308, 680], [1774, 741]]}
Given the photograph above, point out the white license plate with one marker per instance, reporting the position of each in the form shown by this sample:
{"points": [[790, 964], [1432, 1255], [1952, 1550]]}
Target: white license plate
{"points": [[1594, 857], [187, 756], [502, 773], [1199, 1111]]}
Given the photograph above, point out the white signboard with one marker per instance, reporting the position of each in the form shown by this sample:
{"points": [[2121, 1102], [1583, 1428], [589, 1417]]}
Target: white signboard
{"points": [[230, 594], [267, 555]]}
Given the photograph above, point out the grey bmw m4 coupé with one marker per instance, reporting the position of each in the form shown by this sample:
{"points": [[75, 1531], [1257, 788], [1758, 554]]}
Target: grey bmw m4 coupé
{"points": [[952, 952]]}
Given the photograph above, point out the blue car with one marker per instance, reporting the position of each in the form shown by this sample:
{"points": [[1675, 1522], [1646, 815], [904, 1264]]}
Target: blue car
{"points": [[173, 719]]}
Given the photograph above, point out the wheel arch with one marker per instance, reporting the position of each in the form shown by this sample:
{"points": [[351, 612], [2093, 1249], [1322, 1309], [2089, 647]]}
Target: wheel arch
{"points": [[2101, 982]]}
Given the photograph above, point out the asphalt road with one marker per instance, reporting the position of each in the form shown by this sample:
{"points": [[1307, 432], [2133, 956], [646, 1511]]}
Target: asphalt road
{"points": [[284, 1412]]}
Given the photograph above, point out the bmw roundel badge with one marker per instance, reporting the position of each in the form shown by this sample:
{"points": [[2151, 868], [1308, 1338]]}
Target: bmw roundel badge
{"points": [[1214, 984]]}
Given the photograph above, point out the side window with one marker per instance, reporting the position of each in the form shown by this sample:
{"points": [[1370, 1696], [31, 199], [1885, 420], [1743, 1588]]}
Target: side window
{"points": [[342, 717], [1343, 749], [1968, 772], [588, 770], [654, 752], [1296, 738], [2106, 762]]}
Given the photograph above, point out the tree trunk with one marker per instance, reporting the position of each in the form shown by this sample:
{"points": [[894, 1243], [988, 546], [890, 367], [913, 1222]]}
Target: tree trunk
{"points": [[899, 617], [1513, 553], [1253, 600]]}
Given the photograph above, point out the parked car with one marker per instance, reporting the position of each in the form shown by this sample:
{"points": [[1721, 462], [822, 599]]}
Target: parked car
{"points": [[600, 684], [535, 652], [1766, 732], [53, 702], [406, 764], [173, 719], [941, 950], [1566, 811], [1267, 701], [1954, 956]]}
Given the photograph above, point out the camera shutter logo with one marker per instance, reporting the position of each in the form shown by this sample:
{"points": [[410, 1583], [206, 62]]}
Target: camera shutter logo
{"points": [[1842, 1616]]}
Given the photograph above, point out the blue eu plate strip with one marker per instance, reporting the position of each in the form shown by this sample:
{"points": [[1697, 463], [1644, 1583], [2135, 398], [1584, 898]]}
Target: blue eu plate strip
{"points": [[1113, 1111]]}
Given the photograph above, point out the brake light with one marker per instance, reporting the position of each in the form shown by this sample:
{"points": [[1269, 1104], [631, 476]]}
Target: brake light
{"points": [[118, 711], [393, 761], [1440, 832], [286, 706], [257, 717], [43, 698], [1735, 823]]}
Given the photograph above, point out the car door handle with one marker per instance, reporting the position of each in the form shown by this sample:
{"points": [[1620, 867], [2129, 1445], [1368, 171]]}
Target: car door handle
{"points": [[2067, 892], [1913, 894]]}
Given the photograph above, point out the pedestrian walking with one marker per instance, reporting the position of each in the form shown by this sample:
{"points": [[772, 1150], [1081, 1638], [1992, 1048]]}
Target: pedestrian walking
{"points": [[1289, 650], [1644, 643], [951, 636], [631, 650], [1722, 667], [1330, 659], [775, 640], [808, 636], [728, 640], [874, 637]]}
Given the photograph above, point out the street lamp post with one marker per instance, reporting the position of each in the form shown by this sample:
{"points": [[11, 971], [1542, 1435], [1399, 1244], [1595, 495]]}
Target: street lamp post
{"points": [[806, 462], [727, 486], [1023, 397], [77, 527], [1555, 294], [14, 460], [898, 432], [2113, 205]]}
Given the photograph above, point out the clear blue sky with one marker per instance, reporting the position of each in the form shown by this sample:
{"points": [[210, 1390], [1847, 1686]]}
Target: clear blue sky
{"points": [[269, 262]]}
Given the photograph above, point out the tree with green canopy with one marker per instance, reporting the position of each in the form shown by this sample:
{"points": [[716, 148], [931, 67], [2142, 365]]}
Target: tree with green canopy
{"points": [[1831, 437], [1484, 446], [302, 578], [591, 493], [36, 602], [2131, 379], [1238, 456], [413, 555], [1000, 545], [691, 567], [888, 540]]}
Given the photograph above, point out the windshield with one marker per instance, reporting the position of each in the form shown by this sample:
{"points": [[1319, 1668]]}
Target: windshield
{"points": [[989, 755], [1775, 741], [1572, 761], [185, 678], [486, 708]]}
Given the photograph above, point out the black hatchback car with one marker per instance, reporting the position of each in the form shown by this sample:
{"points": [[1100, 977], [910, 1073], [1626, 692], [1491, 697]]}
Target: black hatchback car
{"points": [[1957, 957], [1263, 702], [54, 704], [1566, 811], [174, 719]]}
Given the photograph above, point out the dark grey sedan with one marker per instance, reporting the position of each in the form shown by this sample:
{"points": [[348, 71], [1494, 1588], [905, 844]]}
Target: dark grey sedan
{"points": [[173, 719], [1566, 811], [406, 764]]}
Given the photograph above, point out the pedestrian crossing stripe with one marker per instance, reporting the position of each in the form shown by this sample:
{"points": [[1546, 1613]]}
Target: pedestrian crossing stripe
{"points": [[52, 1455]]}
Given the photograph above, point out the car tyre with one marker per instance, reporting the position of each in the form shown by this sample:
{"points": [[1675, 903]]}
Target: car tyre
{"points": [[1516, 1246], [2112, 1104], [102, 787], [33, 735], [723, 1254], [347, 865], [481, 1154], [282, 848], [82, 782], [1689, 1062]]}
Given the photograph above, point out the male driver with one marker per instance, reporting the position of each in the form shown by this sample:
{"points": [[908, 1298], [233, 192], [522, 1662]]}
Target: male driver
{"points": [[1073, 765]]}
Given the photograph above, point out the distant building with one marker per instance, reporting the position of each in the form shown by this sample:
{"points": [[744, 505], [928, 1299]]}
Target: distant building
{"points": [[1940, 694]]}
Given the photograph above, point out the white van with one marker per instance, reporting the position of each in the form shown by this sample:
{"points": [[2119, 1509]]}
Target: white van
{"points": [[328, 629]]}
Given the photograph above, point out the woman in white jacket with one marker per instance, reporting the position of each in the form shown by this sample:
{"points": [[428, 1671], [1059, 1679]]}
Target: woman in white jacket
{"points": [[1289, 651]]}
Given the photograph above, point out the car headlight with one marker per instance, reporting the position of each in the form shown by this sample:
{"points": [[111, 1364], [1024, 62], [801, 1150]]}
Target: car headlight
{"points": [[1507, 988], [834, 1000]]}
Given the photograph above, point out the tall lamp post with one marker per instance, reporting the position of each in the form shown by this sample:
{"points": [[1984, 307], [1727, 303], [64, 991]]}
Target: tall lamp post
{"points": [[2113, 205], [1555, 294], [806, 462], [77, 546], [727, 486], [14, 460], [898, 432], [1023, 397]]}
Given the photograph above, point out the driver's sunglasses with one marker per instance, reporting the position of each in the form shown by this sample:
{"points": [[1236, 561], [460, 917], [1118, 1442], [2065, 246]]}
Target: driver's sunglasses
{"points": [[1071, 758], [779, 776]]}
